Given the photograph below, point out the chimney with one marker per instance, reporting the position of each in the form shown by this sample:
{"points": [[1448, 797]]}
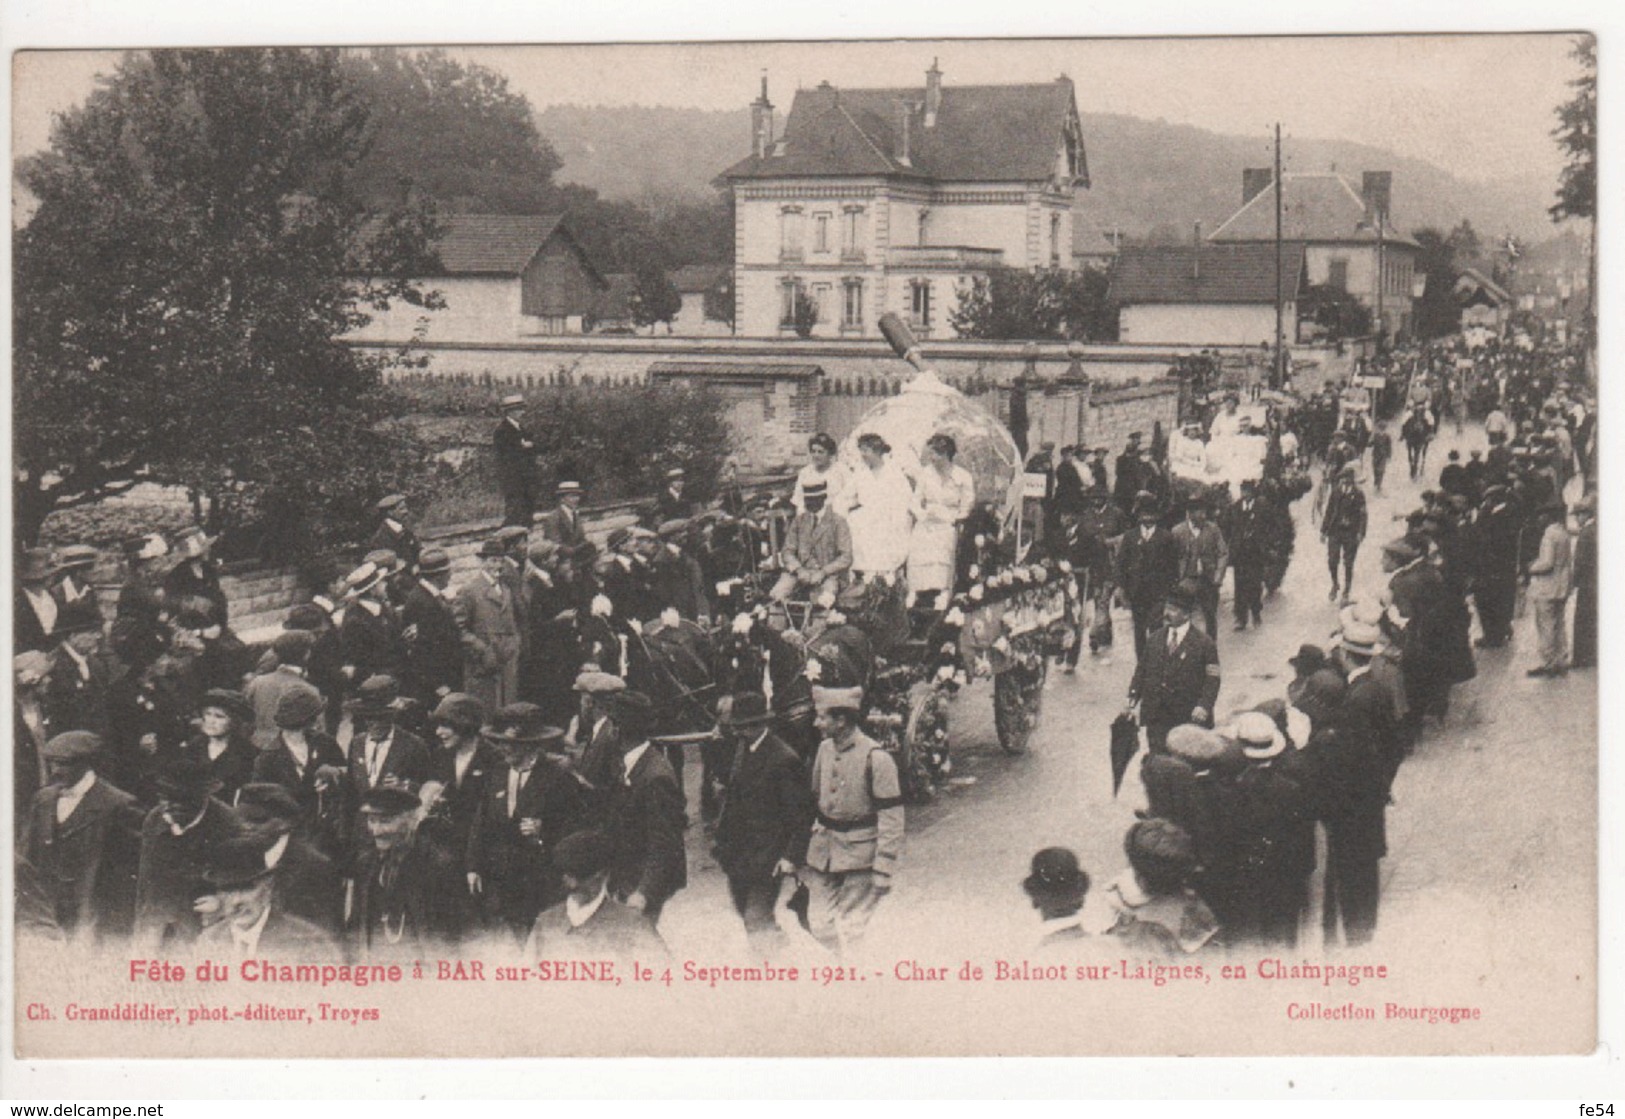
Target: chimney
{"points": [[1377, 189], [1254, 181], [905, 128], [761, 123], [1196, 254], [933, 94]]}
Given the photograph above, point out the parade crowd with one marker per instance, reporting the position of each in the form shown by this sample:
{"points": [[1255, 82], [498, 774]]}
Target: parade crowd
{"points": [[414, 769]]}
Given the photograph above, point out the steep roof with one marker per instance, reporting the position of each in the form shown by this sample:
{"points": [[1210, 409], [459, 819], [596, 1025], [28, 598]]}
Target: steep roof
{"points": [[1474, 286], [1317, 206], [1233, 273], [493, 244], [996, 133]]}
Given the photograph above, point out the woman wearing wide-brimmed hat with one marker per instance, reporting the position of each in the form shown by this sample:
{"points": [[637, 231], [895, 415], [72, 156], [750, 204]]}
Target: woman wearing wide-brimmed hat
{"points": [[224, 742]]}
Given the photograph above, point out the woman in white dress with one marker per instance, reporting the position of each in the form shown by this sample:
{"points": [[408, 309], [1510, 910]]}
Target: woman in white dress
{"points": [[944, 496], [879, 505]]}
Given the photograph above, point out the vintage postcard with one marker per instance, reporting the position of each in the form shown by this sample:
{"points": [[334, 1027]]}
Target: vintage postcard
{"points": [[991, 547]]}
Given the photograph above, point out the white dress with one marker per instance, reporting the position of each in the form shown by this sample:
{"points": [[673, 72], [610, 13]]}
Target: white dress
{"points": [[878, 507], [938, 504]]}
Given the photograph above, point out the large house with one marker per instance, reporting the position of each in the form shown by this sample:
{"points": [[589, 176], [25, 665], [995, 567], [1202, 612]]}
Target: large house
{"points": [[877, 200], [1348, 236], [1206, 294], [503, 277]]}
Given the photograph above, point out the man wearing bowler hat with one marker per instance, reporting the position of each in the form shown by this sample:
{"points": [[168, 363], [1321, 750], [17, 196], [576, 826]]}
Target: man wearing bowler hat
{"points": [[646, 812], [1177, 678], [248, 919], [488, 620], [515, 455], [767, 811], [530, 803], [77, 693], [1057, 886], [1147, 567], [395, 530], [434, 644], [82, 838], [178, 838], [308, 883], [382, 751]]}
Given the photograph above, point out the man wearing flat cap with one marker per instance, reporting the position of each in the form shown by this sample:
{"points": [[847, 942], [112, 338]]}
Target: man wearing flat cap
{"points": [[647, 813], [590, 923], [515, 454], [530, 804], [592, 738], [395, 530], [82, 838], [488, 620], [434, 644], [767, 811], [856, 841], [675, 576], [248, 919], [1177, 679], [178, 839], [410, 899]]}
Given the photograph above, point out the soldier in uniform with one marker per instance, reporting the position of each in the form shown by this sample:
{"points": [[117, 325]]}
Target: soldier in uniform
{"points": [[1246, 533], [434, 644], [1342, 528], [394, 531], [761, 835], [1147, 568], [1177, 678], [516, 464], [857, 833]]}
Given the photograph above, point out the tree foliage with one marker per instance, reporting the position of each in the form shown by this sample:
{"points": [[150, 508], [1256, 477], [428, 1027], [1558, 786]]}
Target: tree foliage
{"points": [[180, 288], [1437, 312], [803, 313], [1576, 134], [1335, 311], [655, 299], [719, 299], [1041, 303]]}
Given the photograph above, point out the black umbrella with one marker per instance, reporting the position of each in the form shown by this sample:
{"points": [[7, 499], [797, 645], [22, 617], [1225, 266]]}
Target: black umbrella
{"points": [[1125, 744]]}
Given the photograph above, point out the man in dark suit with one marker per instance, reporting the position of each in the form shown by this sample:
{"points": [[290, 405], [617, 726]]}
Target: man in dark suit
{"points": [[516, 464], [381, 751], [308, 883], [370, 636], [82, 838], [434, 644], [672, 505], [767, 814], [1246, 533], [593, 741], [76, 694], [1069, 486], [1177, 679], [1057, 886], [178, 839], [530, 804], [1147, 568], [589, 924], [410, 900], [248, 919], [394, 532], [650, 864], [1126, 480], [1343, 527], [141, 624], [562, 524]]}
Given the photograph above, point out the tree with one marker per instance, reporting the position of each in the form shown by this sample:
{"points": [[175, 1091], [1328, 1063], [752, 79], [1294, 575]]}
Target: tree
{"points": [[196, 253], [1022, 304], [1437, 312], [719, 300], [803, 313], [1466, 246], [1335, 311], [654, 298], [1576, 134]]}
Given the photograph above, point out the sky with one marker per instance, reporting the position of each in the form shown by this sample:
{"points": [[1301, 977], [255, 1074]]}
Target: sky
{"points": [[1479, 106]]}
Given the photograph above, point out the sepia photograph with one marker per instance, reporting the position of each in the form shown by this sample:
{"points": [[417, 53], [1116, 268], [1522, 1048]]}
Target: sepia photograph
{"points": [[903, 548]]}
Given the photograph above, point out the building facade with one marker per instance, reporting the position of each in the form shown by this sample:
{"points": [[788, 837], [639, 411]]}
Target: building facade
{"points": [[877, 200], [1206, 294]]}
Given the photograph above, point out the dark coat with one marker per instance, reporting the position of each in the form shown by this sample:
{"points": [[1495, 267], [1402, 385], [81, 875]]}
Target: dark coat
{"points": [[74, 702], [407, 761], [184, 581], [434, 645], [170, 875], [411, 904], [672, 507], [325, 813], [616, 932], [517, 870], [27, 632], [452, 819], [371, 643], [86, 866], [309, 885], [767, 811], [140, 631], [515, 456], [1345, 516], [1147, 569], [649, 820], [1170, 685], [677, 581], [234, 768], [563, 528], [402, 541], [1246, 531]]}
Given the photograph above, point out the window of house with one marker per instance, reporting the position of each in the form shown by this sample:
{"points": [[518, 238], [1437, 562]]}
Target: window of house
{"points": [[919, 302], [852, 305], [851, 231], [820, 233], [820, 295], [790, 231], [788, 287], [1337, 275]]}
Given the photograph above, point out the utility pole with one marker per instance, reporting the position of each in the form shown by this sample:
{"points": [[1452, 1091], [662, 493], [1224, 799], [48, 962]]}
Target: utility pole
{"points": [[1278, 373]]}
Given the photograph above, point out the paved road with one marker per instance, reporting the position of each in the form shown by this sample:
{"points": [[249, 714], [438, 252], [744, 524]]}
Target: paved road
{"points": [[1493, 826]]}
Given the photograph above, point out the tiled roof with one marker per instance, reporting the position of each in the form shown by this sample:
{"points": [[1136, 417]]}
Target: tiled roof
{"points": [[493, 244], [1221, 273], [1001, 133], [1318, 206]]}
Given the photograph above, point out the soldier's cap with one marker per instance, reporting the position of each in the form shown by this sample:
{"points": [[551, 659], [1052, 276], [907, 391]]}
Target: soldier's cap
{"points": [[673, 528], [362, 579], [509, 533], [76, 556], [73, 745], [513, 400], [583, 854], [567, 486], [1196, 745], [186, 774], [307, 617], [520, 724], [747, 709], [1258, 735], [297, 709], [492, 549], [837, 699], [1055, 870], [265, 802], [393, 501], [390, 799], [233, 703], [434, 561], [375, 697], [239, 862], [599, 683], [460, 710]]}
